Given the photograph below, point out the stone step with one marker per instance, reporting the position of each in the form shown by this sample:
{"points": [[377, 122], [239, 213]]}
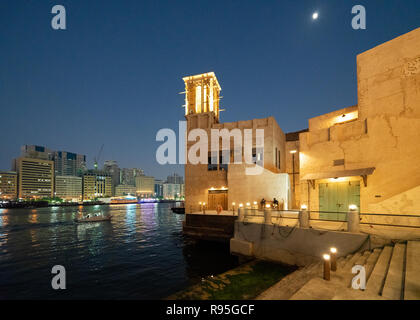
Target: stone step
{"points": [[394, 280], [363, 258], [371, 262], [350, 263], [377, 277], [288, 286], [342, 261], [412, 271], [312, 267]]}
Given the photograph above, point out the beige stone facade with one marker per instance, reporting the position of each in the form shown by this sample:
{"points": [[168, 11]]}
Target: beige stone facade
{"points": [[376, 143], [228, 185], [365, 155]]}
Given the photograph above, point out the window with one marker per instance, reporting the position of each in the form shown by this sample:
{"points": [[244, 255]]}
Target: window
{"points": [[223, 165], [277, 164], [257, 155], [212, 161]]}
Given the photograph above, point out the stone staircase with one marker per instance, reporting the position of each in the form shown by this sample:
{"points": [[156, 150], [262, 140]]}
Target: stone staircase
{"points": [[392, 273]]}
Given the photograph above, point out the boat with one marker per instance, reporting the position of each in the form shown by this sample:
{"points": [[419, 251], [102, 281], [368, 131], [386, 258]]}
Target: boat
{"points": [[178, 210], [124, 200], [93, 218]]}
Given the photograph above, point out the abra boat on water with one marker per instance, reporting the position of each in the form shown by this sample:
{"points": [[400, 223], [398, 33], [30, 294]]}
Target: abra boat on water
{"points": [[93, 218]]}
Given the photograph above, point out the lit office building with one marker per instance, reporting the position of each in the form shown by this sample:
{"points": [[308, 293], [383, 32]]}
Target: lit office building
{"points": [[96, 185], [128, 176], [69, 164], [175, 178], [124, 190], [68, 188], [173, 191], [35, 178], [111, 168], [159, 188], [8, 185], [145, 186]]}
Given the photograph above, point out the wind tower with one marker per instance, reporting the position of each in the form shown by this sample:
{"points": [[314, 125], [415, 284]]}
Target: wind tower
{"points": [[202, 97]]}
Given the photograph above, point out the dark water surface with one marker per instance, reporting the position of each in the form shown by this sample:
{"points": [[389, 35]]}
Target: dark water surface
{"points": [[141, 254]]}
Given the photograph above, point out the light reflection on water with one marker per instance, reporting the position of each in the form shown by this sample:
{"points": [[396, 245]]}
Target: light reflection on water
{"points": [[141, 254]]}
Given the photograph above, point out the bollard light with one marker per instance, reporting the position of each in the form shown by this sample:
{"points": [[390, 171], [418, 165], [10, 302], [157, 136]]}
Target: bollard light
{"points": [[248, 204], [233, 207], [267, 206], [352, 207], [333, 254], [304, 207], [327, 273], [241, 205]]}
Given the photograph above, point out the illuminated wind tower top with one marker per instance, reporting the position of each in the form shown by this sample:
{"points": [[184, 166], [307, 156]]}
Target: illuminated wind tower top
{"points": [[202, 94]]}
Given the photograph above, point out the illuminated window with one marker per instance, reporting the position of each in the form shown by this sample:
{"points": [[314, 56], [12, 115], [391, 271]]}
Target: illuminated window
{"points": [[198, 99]]}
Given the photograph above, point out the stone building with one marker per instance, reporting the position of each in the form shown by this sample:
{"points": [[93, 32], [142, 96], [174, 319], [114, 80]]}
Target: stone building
{"points": [[365, 155], [368, 154], [216, 183]]}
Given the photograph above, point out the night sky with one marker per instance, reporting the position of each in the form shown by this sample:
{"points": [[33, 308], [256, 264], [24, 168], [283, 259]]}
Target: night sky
{"points": [[114, 75]]}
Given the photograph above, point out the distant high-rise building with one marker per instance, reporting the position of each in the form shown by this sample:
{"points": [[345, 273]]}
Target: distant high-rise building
{"points": [[36, 152], [65, 163], [124, 190], [145, 186], [111, 167], [175, 178], [159, 188], [128, 176], [35, 178], [8, 185], [69, 164], [68, 188], [96, 184], [173, 190]]}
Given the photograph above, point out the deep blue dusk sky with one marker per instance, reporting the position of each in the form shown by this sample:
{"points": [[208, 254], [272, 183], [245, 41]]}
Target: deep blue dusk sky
{"points": [[114, 75]]}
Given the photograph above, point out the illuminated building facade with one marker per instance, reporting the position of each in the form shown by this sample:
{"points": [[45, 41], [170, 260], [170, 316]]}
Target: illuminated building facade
{"points": [[35, 178], [368, 155], [96, 185], [124, 190], [69, 188], [145, 186], [227, 185], [8, 185]]}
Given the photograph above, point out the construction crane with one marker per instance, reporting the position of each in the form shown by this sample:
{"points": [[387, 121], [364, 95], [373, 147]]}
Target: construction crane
{"points": [[96, 159]]}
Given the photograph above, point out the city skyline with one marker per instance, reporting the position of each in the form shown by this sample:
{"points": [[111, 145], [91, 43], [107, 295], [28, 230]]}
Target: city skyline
{"points": [[262, 64], [53, 154]]}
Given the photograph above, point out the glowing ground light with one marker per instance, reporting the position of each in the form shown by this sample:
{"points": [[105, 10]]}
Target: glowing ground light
{"points": [[315, 16]]}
